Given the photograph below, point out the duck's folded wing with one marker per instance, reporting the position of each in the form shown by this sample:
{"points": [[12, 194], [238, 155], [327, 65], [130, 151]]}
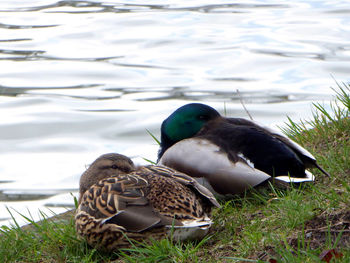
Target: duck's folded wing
{"points": [[137, 219], [308, 159], [121, 200], [200, 158], [302, 152]]}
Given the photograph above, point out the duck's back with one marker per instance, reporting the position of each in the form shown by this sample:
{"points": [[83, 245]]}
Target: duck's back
{"points": [[171, 198]]}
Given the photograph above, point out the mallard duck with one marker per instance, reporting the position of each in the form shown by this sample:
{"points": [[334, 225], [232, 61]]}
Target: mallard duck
{"points": [[120, 202], [230, 155]]}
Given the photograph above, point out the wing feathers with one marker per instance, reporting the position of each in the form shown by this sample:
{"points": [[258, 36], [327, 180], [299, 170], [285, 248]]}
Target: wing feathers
{"points": [[136, 218], [185, 180]]}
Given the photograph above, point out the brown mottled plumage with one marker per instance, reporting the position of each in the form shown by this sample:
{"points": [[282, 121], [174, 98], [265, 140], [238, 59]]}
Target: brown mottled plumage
{"points": [[142, 203], [103, 167]]}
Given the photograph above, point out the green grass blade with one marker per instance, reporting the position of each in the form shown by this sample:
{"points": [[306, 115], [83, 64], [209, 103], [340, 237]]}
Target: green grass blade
{"points": [[154, 137]]}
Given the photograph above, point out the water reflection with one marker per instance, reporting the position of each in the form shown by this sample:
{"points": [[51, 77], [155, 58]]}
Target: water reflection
{"points": [[82, 78]]}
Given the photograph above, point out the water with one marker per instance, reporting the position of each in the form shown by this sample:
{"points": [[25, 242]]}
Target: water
{"points": [[79, 78]]}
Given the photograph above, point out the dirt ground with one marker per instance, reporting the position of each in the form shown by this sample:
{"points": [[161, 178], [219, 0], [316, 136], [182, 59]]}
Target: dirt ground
{"points": [[330, 229]]}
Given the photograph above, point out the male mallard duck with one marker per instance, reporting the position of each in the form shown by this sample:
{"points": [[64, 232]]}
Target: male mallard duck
{"points": [[139, 203], [230, 154]]}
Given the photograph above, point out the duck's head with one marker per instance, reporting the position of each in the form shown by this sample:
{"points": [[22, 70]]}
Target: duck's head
{"points": [[184, 123], [105, 166]]}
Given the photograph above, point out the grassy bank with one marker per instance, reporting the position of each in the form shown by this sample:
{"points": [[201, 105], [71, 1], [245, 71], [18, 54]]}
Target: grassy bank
{"points": [[299, 224]]}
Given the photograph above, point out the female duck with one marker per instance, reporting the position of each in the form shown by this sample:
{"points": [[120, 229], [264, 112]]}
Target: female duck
{"points": [[119, 202], [229, 155]]}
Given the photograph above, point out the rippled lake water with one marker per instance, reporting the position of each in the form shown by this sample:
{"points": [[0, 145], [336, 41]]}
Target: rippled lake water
{"points": [[82, 78]]}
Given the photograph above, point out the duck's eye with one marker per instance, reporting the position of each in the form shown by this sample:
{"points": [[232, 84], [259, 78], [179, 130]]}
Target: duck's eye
{"points": [[114, 166], [202, 117], [124, 169]]}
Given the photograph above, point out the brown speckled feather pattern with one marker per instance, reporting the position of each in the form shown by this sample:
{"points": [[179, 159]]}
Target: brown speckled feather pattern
{"points": [[139, 205], [110, 237], [102, 199], [169, 197]]}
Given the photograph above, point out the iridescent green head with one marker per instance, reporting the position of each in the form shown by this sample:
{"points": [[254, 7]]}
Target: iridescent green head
{"points": [[184, 123]]}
